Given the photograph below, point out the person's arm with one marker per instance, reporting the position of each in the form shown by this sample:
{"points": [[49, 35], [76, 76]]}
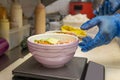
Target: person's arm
{"points": [[108, 7], [109, 28]]}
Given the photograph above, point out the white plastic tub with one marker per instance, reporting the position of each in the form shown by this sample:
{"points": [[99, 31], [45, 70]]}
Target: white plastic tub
{"points": [[17, 35]]}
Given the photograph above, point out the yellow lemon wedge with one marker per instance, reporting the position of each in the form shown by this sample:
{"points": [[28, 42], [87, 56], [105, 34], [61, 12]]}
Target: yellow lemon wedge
{"points": [[78, 32], [52, 40]]}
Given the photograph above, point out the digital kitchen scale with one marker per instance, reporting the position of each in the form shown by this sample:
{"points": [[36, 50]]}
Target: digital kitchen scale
{"points": [[77, 69]]}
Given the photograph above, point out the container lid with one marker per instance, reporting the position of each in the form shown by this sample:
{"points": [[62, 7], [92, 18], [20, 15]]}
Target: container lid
{"points": [[4, 19]]}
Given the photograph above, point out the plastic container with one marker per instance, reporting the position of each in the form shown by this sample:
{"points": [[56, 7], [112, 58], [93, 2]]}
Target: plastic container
{"points": [[54, 25], [75, 20], [17, 35]]}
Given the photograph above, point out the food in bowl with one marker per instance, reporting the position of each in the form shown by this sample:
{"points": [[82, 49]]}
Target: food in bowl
{"points": [[65, 32], [52, 41], [53, 55]]}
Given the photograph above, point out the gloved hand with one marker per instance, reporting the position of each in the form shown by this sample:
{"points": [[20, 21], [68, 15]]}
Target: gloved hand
{"points": [[108, 7], [109, 27]]}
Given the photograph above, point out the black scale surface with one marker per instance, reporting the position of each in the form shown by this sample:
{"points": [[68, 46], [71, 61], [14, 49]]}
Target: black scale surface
{"points": [[76, 69]]}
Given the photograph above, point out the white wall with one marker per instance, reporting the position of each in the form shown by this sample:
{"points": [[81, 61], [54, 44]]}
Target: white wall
{"points": [[29, 5], [60, 6]]}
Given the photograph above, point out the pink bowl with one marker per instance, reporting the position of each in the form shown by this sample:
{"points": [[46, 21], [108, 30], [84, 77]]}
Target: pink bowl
{"points": [[53, 56]]}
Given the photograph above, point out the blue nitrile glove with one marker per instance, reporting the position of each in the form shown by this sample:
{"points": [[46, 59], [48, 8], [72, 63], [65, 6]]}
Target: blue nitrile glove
{"points": [[108, 7], [109, 27]]}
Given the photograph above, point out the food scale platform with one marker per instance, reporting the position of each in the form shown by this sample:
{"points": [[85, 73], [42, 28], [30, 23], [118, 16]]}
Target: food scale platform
{"points": [[77, 69]]}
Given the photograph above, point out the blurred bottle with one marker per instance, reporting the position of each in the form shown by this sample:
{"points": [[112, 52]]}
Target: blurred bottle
{"points": [[4, 28], [4, 23], [3, 12], [40, 18], [16, 14]]}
